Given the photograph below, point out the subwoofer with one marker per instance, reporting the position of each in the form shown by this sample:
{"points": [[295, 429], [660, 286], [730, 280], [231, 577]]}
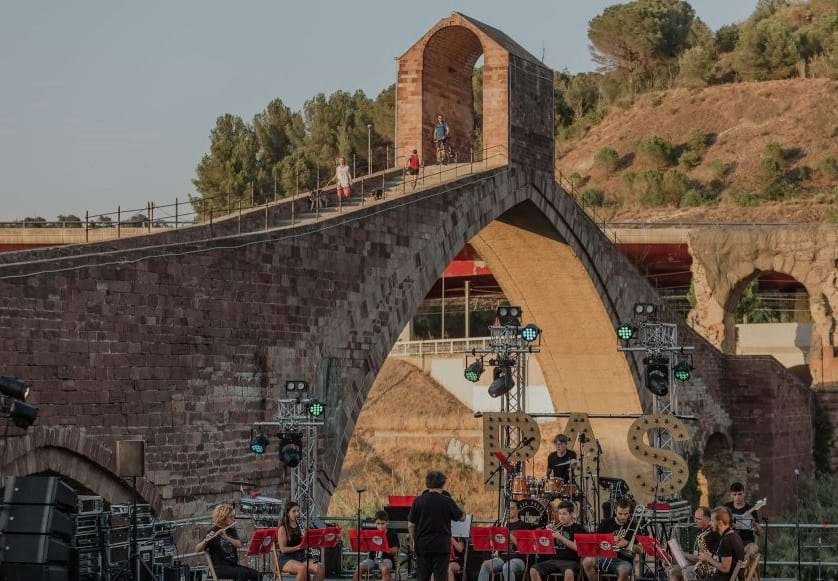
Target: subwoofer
{"points": [[21, 572]]}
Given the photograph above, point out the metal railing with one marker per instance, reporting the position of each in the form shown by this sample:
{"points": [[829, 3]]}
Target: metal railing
{"points": [[438, 346], [392, 180]]}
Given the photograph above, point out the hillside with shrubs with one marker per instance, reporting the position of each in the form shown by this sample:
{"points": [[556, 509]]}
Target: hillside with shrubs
{"points": [[683, 122]]}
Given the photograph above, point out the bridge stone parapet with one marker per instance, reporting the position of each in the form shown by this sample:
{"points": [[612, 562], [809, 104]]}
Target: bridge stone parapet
{"points": [[188, 347]]}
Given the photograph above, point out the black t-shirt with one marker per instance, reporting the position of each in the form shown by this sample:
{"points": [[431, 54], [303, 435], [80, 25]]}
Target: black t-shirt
{"points": [[556, 471], [431, 514], [221, 551], [610, 525], [392, 542], [730, 545], [563, 553], [744, 525]]}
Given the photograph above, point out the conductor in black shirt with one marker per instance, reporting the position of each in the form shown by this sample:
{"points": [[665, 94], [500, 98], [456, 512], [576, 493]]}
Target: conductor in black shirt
{"points": [[560, 462], [429, 526]]}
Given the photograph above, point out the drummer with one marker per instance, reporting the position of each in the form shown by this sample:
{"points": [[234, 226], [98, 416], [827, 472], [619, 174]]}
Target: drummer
{"points": [[560, 463]]}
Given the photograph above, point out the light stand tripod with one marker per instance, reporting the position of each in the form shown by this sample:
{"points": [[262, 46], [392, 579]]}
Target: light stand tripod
{"points": [[360, 491]]}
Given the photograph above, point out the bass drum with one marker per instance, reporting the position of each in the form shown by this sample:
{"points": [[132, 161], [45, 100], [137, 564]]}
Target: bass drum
{"points": [[533, 512]]}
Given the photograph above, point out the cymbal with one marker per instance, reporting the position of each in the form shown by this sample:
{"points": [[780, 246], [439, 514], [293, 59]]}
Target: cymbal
{"points": [[240, 483]]}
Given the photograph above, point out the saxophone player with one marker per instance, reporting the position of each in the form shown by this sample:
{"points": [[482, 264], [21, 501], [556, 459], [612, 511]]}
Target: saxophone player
{"points": [[623, 535], [706, 540]]}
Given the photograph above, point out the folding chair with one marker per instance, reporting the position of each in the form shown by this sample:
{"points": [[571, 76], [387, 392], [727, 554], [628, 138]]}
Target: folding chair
{"points": [[740, 566], [211, 568]]}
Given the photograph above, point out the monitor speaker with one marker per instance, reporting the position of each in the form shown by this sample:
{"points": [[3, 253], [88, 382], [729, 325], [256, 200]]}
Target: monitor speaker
{"points": [[130, 458], [40, 490]]}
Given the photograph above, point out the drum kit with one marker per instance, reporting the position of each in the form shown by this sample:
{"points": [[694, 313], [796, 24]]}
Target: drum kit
{"points": [[538, 497]]}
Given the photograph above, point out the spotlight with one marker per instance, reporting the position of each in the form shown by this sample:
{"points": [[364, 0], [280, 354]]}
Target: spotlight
{"points": [[23, 415], [258, 444], [503, 382], [474, 371], [626, 332], [644, 309], [14, 387], [290, 449], [530, 333], [316, 408], [509, 315], [682, 369], [296, 385], [657, 375]]}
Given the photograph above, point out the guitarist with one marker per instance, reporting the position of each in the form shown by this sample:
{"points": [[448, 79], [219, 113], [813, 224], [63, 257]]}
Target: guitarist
{"points": [[222, 543], [620, 565], [745, 519]]}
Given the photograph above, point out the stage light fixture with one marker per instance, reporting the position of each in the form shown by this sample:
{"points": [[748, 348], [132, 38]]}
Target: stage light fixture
{"points": [[296, 385], [509, 315], [626, 332], [530, 333], [644, 309], [474, 371], [657, 375], [682, 369], [316, 408], [14, 387], [23, 415], [503, 382], [258, 444], [291, 449]]}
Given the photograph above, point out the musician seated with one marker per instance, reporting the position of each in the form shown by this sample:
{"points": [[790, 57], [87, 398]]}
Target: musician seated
{"points": [[222, 543], [620, 565], [378, 560], [730, 550], [745, 519], [515, 565], [455, 566], [560, 463], [705, 540], [292, 555], [566, 560]]}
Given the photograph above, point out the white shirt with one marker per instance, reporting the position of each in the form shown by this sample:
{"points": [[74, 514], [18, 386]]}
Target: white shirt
{"points": [[342, 175]]}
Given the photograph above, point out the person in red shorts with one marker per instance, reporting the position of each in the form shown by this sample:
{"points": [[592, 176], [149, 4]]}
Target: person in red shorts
{"points": [[343, 177], [413, 165]]}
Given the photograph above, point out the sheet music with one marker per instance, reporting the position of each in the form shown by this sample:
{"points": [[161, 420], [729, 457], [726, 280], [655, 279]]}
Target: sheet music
{"points": [[678, 553], [461, 528]]}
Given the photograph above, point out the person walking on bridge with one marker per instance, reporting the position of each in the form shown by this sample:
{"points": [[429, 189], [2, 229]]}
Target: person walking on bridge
{"points": [[343, 177]]}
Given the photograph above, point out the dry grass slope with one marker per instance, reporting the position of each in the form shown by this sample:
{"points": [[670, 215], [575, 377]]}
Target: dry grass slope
{"points": [[741, 119]]}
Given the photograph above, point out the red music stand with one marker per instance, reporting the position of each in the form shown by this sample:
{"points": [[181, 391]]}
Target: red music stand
{"points": [[371, 541], [535, 542], [489, 538], [401, 501], [324, 538], [262, 542], [595, 545], [651, 546]]}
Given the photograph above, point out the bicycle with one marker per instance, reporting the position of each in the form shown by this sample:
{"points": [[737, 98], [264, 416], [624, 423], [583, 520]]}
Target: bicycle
{"points": [[445, 153]]}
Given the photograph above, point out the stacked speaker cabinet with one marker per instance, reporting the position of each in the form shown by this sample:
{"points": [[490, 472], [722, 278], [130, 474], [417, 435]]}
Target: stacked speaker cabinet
{"points": [[36, 529]]}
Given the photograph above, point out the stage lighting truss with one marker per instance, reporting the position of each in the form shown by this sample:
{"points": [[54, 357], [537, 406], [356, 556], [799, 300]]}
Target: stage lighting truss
{"points": [[297, 426]]}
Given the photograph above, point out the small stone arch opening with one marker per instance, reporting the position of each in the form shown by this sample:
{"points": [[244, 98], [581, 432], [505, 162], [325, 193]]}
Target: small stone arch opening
{"points": [[717, 470], [769, 313], [448, 62]]}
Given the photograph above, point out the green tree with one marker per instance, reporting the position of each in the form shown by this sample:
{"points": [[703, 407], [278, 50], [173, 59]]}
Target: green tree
{"points": [[274, 131], [231, 165], [726, 38], [767, 50], [695, 67], [582, 93], [637, 38]]}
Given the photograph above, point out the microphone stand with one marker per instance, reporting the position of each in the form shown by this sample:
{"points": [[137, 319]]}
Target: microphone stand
{"points": [[596, 486], [520, 444], [360, 491], [582, 441]]}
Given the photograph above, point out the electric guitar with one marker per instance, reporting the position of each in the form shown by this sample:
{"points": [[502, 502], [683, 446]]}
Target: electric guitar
{"points": [[739, 520]]}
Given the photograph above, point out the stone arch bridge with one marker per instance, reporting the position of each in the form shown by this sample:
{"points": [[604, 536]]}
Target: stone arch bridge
{"points": [[185, 338]]}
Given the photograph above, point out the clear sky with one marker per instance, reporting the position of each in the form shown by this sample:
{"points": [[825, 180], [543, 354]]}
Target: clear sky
{"points": [[105, 103]]}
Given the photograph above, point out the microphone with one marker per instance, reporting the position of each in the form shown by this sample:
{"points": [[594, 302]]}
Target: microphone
{"points": [[359, 490]]}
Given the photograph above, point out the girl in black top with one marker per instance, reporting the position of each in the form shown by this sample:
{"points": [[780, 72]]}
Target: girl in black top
{"points": [[292, 556], [222, 543]]}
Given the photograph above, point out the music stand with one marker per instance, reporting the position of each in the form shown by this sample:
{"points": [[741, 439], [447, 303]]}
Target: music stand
{"points": [[490, 539], [262, 542], [535, 542], [371, 541], [595, 545], [325, 538]]}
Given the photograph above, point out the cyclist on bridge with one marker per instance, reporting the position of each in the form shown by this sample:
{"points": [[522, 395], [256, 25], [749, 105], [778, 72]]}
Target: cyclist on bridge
{"points": [[440, 137]]}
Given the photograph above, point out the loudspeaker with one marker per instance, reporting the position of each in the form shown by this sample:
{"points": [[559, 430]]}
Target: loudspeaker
{"points": [[35, 519], [19, 572], [177, 572], [40, 490], [34, 549], [130, 458]]}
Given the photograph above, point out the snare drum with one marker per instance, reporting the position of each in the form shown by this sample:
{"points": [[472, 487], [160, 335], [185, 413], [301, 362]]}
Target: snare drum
{"points": [[569, 490], [520, 488]]}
